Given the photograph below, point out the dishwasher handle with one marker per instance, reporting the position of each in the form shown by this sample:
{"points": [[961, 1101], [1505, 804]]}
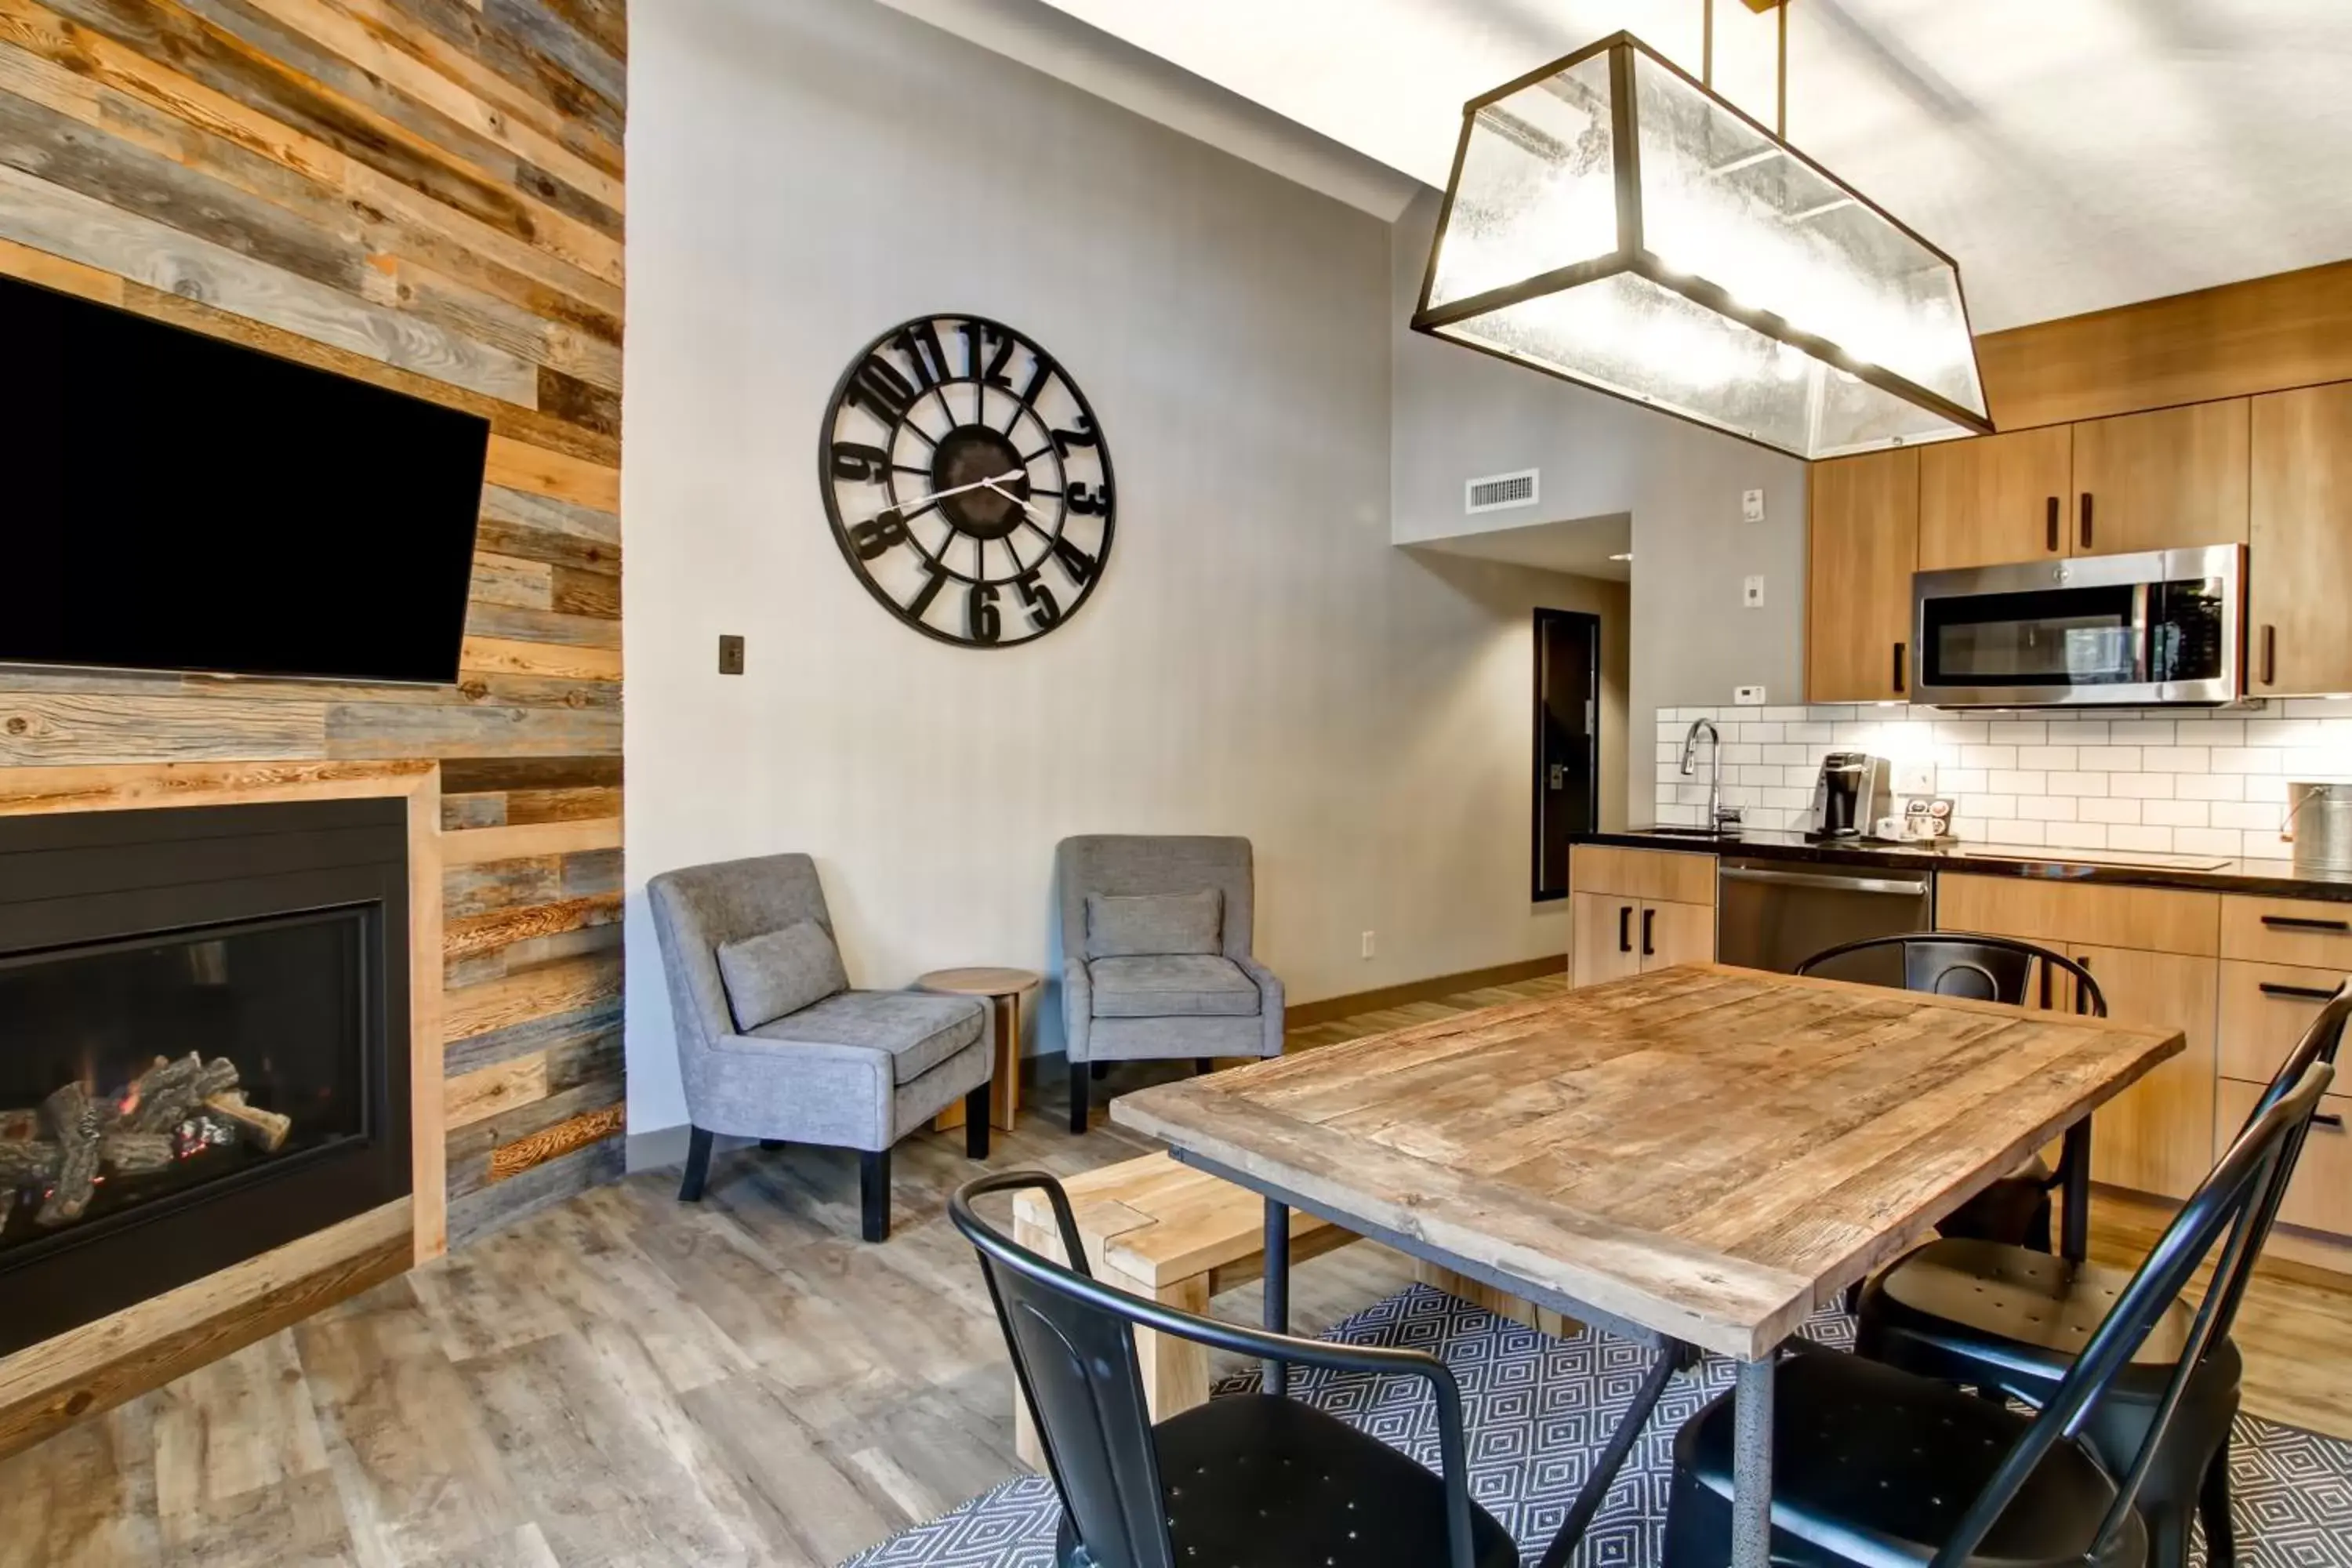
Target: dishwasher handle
{"points": [[1889, 885]]}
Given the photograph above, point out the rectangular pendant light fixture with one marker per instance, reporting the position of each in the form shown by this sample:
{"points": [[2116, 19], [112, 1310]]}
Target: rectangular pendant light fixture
{"points": [[1612, 222]]}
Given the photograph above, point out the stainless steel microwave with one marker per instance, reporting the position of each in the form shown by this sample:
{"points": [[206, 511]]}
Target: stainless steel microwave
{"points": [[2129, 631]]}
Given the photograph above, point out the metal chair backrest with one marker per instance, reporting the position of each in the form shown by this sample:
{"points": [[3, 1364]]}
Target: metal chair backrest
{"points": [[2226, 1210], [1979, 968], [1073, 1347], [2319, 1044]]}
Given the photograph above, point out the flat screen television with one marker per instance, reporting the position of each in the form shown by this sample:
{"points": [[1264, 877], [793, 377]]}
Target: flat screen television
{"points": [[169, 502]]}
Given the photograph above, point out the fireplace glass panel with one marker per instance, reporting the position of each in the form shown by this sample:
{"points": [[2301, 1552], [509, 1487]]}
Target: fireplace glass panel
{"points": [[134, 1072]]}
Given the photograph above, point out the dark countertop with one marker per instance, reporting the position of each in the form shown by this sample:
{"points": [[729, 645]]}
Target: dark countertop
{"points": [[2268, 878]]}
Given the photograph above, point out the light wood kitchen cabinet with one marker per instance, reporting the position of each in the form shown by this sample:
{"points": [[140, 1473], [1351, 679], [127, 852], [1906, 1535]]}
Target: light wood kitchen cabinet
{"points": [[2320, 1196], [2265, 1008], [1997, 499], [1864, 547], [1675, 933], [1600, 944], [2157, 1135], [2300, 641], [2287, 930], [1632, 911], [2171, 479]]}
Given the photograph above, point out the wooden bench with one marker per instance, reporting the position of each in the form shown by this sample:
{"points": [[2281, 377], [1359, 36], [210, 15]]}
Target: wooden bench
{"points": [[1173, 1235]]}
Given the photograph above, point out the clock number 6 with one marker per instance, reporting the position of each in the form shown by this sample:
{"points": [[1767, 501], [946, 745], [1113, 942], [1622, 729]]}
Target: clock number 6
{"points": [[982, 623]]}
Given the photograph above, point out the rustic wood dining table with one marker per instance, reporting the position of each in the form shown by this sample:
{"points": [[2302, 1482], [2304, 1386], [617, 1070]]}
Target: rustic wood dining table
{"points": [[1694, 1159]]}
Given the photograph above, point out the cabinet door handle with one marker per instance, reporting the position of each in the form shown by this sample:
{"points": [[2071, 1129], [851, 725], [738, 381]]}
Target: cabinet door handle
{"points": [[2332, 1120], [2087, 519], [2270, 655], [2053, 545], [2298, 992], [2293, 923], [1649, 933], [1898, 667], [1624, 928]]}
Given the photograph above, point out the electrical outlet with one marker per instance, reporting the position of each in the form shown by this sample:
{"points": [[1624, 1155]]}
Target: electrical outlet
{"points": [[1915, 778], [1370, 938], [1747, 696], [1751, 594], [1751, 506], [730, 655]]}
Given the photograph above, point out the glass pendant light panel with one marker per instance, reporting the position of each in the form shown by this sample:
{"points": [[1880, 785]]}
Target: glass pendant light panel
{"points": [[1724, 203], [1538, 189], [1625, 334]]}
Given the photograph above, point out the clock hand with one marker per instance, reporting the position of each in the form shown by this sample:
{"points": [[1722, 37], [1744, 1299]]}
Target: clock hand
{"points": [[1008, 495], [937, 496]]}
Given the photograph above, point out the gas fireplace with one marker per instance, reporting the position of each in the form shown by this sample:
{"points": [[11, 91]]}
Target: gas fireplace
{"points": [[203, 1044]]}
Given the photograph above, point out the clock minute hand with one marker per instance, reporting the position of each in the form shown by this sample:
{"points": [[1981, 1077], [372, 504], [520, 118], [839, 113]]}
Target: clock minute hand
{"points": [[938, 495], [1008, 495]]}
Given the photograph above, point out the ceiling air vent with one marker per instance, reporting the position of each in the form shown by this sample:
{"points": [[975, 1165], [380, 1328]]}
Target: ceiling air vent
{"points": [[1500, 492]]}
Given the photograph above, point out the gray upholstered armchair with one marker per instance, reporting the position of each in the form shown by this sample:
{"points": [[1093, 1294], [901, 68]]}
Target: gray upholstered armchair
{"points": [[1156, 954], [773, 1044]]}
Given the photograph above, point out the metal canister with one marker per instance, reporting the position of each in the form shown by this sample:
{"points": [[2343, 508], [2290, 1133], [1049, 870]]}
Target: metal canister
{"points": [[2319, 820]]}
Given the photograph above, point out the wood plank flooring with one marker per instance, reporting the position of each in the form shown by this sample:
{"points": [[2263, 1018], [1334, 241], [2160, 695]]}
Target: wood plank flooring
{"points": [[618, 1380]]}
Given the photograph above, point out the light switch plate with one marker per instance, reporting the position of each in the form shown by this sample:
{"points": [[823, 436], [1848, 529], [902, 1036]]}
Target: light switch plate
{"points": [[731, 654], [1915, 778], [1747, 696], [1751, 594], [1751, 506]]}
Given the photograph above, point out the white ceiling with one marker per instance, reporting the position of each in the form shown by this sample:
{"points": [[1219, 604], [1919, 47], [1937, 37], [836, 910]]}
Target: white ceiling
{"points": [[2073, 154], [1581, 547]]}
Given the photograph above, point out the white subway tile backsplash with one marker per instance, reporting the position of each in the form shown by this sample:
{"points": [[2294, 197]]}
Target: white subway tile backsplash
{"points": [[2147, 781], [2141, 786], [2078, 784], [2267, 847]]}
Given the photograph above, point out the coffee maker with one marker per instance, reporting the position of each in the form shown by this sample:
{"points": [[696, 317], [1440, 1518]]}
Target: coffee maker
{"points": [[1852, 792]]}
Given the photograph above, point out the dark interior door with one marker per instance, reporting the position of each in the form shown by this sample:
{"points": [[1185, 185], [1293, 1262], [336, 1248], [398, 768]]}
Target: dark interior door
{"points": [[1568, 740]]}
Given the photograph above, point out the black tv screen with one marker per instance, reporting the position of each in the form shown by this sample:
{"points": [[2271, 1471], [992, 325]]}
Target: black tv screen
{"points": [[169, 502]]}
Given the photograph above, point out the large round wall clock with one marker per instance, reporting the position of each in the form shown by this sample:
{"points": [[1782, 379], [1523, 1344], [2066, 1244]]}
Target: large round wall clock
{"points": [[968, 484]]}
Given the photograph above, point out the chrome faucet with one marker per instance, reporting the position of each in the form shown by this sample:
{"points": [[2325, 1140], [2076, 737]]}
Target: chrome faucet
{"points": [[1720, 816]]}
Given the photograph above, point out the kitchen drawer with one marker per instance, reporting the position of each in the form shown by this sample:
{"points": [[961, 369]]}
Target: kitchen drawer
{"points": [[2301, 931], [2056, 914], [2265, 1007], [1666, 875], [2321, 1195]]}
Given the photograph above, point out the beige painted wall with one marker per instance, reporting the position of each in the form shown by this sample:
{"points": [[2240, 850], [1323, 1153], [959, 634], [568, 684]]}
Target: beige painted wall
{"points": [[1260, 658]]}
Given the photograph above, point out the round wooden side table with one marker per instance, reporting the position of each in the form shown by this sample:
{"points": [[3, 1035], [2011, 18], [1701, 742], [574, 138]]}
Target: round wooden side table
{"points": [[1003, 989]]}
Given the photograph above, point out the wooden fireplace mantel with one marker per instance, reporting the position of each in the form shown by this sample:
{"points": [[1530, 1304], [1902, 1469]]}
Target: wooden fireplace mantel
{"points": [[50, 1385]]}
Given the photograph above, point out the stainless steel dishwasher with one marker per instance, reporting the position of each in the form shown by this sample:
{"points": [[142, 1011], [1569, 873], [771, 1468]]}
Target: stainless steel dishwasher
{"points": [[1775, 915]]}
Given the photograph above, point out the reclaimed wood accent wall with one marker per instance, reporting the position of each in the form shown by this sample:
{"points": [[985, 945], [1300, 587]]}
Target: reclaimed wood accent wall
{"points": [[425, 194]]}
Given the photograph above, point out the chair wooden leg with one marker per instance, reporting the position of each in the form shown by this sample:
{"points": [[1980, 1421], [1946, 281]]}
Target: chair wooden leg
{"points": [[1080, 1077], [874, 1191], [2213, 1507], [697, 1166], [975, 1123]]}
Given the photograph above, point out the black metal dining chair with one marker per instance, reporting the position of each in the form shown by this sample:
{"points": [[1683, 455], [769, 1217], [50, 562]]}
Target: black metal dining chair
{"points": [[1245, 1482], [2014, 1322], [2016, 1209], [1874, 1465]]}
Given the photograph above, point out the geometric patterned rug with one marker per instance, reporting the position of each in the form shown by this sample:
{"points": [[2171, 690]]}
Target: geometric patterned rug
{"points": [[1538, 1410]]}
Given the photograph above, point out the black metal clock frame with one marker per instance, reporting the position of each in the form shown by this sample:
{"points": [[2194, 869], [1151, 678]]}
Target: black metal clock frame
{"points": [[909, 381]]}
